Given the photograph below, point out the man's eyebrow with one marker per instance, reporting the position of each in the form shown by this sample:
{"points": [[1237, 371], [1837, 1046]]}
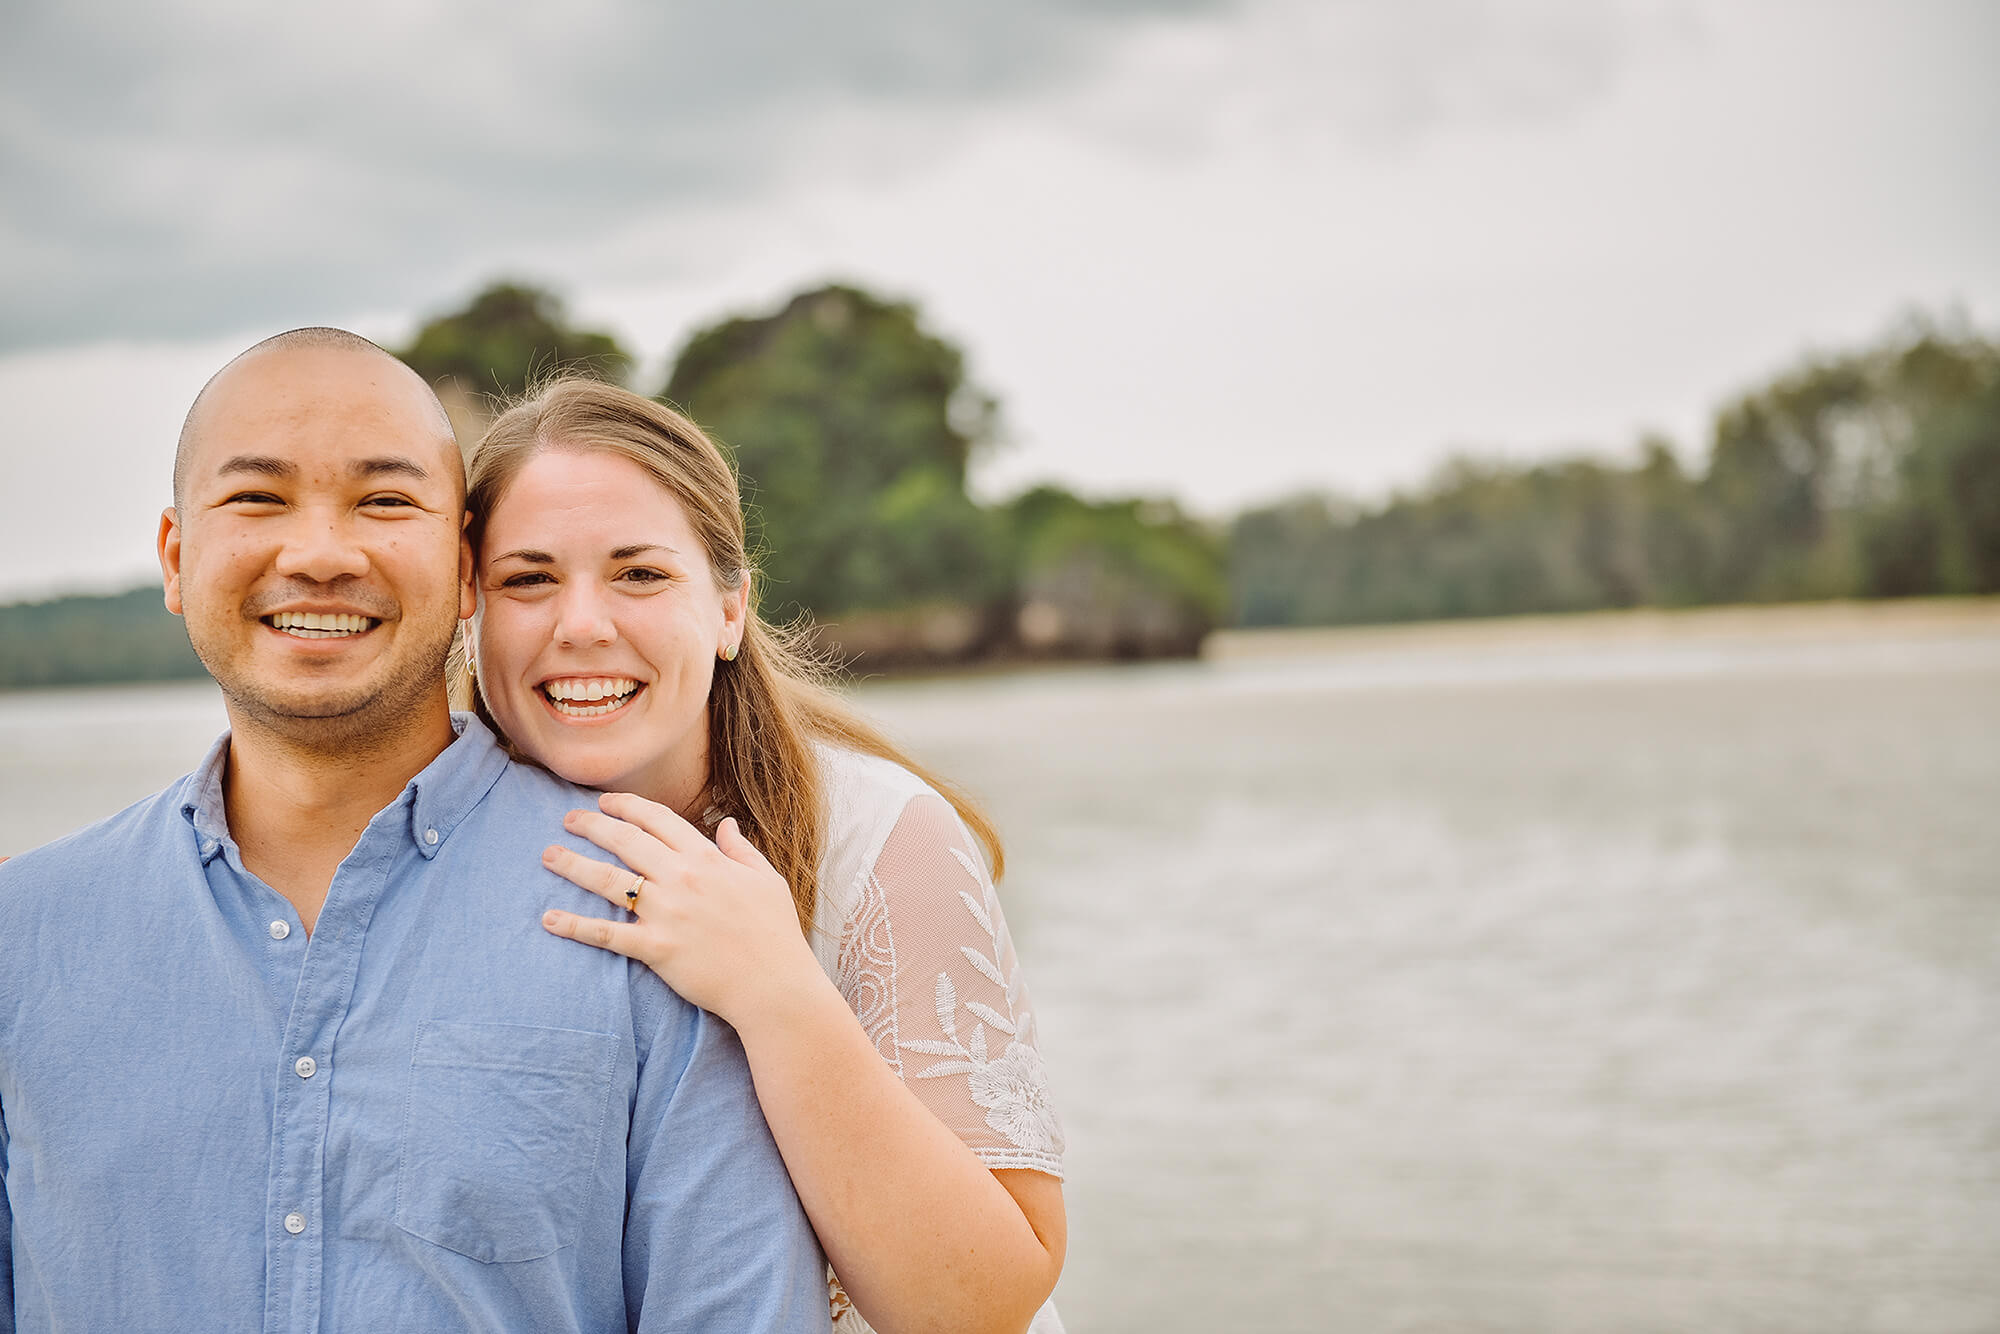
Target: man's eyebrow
{"points": [[388, 465], [263, 465]]}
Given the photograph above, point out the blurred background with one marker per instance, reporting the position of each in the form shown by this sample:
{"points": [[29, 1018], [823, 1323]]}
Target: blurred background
{"points": [[1460, 540]]}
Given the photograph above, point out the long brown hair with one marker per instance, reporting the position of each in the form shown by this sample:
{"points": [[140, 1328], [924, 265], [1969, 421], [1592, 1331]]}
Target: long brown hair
{"points": [[768, 706]]}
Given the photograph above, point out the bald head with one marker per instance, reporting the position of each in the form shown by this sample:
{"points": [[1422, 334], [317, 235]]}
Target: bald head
{"points": [[259, 364]]}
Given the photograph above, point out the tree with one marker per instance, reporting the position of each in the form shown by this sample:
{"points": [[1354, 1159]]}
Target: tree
{"points": [[852, 427], [506, 338]]}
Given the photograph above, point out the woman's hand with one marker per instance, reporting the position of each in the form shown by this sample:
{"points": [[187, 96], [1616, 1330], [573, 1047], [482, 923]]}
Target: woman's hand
{"points": [[714, 920]]}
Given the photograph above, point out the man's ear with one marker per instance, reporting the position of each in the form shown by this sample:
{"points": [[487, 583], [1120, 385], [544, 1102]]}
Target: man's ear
{"points": [[170, 558], [468, 601]]}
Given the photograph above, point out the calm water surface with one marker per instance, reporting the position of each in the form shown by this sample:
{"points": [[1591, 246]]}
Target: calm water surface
{"points": [[1575, 988]]}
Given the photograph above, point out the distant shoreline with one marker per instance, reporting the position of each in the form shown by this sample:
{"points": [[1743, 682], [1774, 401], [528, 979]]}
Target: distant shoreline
{"points": [[1789, 622], [1795, 623]]}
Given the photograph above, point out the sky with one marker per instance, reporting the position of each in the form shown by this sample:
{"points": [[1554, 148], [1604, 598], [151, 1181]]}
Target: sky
{"points": [[1218, 251]]}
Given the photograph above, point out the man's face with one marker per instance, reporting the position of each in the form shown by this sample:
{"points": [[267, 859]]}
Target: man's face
{"points": [[317, 552]]}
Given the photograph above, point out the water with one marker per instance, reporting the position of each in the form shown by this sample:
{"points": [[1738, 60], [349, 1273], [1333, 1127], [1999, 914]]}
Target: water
{"points": [[1579, 984]]}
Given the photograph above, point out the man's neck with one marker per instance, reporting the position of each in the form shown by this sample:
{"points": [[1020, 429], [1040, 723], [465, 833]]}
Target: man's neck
{"points": [[297, 805]]}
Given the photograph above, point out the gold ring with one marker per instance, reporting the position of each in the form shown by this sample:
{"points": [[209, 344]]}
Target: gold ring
{"points": [[632, 894]]}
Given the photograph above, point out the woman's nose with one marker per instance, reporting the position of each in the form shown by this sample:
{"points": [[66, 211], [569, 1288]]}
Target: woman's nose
{"points": [[582, 618]]}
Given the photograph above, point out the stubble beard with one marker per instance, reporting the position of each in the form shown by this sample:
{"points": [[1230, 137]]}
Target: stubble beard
{"points": [[370, 716]]}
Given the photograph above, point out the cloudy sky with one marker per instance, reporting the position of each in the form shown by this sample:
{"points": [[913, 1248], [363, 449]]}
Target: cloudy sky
{"points": [[1205, 249]]}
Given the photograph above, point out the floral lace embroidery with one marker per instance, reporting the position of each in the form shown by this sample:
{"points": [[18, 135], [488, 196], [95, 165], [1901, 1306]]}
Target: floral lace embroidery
{"points": [[1012, 1087], [840, 1306], [866, 970]]}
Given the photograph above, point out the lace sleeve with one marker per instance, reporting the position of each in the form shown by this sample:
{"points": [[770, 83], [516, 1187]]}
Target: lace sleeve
{"points": [[929, 968]]}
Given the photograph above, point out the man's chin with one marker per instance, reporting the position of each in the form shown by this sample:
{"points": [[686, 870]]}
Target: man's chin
{"points": [[345, 716]]}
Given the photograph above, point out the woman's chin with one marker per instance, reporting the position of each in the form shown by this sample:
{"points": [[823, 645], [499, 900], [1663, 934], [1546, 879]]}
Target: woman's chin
{"points": [[589, 771]]}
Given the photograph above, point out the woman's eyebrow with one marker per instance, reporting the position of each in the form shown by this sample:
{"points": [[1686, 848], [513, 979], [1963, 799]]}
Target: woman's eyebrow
{"points": [[532, 557], [627, 553]]}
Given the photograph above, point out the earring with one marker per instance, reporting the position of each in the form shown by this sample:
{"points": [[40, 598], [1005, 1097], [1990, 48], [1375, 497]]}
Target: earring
{"points": [[728, 653]]}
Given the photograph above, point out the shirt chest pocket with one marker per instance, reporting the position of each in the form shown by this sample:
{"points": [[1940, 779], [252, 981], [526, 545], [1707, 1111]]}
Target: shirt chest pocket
{"points": [[501, 1132]]}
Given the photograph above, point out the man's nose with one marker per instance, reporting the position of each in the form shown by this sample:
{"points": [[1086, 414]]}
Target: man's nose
{"points": [[583, 618], [322, 549]]}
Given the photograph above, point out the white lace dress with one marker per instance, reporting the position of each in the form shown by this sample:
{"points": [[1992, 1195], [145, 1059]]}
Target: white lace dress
{"points": [[908, 928]]}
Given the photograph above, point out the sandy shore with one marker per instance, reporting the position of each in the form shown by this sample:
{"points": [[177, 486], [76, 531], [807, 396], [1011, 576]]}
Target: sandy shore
{"points": [[1795, 623]]}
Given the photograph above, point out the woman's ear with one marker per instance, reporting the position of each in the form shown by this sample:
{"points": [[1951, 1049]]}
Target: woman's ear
{"points": [[736, 612]]}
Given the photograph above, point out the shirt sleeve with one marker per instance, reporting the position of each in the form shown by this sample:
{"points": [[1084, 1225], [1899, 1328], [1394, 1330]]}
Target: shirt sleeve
{"points": [[930, 970], [715, 1237]]}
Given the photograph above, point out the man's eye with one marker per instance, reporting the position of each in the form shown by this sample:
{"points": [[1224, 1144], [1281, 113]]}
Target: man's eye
{"points": [[253, 498], [389, 501]]}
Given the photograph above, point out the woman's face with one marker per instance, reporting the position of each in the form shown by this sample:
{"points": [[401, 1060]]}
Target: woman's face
{"points": [[599, 624]]}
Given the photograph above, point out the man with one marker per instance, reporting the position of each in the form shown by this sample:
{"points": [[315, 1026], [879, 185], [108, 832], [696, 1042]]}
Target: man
{"points": [[286, 1046]]}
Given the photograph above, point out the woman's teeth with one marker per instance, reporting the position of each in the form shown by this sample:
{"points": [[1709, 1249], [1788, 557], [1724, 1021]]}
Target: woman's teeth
{"points": [[320, 624], [589, 696]]}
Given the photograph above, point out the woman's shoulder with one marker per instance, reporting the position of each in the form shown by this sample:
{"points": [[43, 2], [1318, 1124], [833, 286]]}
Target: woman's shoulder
{"points": [[861, 786], [865, 796]]}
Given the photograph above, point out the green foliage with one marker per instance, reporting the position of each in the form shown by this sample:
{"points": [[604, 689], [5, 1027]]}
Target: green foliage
{"points": [[1135, 575], [87, 640], [1875, 472], [506, 338], [851, 427]]}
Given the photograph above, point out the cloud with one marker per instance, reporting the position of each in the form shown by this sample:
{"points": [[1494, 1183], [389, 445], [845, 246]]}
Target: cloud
{"points": [[177, 171]]}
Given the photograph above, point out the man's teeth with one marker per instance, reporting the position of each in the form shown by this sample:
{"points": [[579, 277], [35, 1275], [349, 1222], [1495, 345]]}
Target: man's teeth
{"points": [[589, 696], [321, 624]]}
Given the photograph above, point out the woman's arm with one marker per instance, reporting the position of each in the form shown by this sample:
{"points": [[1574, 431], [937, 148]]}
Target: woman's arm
{"points": [[921, 1233]]}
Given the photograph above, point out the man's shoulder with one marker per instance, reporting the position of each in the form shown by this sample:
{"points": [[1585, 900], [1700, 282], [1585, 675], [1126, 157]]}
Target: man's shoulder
{"points": [[529, 801], [520, 815], [113, 843]]}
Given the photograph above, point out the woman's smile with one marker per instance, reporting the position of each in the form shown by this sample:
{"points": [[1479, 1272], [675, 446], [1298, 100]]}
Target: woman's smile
{"points": [[588, 698]]}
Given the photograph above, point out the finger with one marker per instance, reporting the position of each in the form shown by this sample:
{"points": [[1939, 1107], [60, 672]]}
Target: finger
{"points": [[606, 881], [625, 841], [662, 822], [729, 838], [619, 937]]}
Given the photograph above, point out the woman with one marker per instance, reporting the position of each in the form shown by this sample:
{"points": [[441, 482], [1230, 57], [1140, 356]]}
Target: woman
{"points": [[840, 918]]}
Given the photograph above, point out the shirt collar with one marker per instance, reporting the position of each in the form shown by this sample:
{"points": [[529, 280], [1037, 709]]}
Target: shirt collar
{"points": [[201, 801], [439, 798], [451, 785]]}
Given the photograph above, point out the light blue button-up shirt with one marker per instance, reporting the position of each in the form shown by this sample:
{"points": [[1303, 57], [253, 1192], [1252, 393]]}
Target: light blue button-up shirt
{"points": [[430, 1114]]}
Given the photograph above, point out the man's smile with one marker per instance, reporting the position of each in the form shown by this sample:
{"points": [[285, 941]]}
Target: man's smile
{"points": [[320, 624]]}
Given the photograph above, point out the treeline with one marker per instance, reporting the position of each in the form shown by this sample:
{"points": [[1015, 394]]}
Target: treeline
{"points": [[852, 427], [94, 640], [1872, 473]]}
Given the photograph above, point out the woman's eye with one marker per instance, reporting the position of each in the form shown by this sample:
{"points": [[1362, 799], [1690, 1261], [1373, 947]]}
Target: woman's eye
{"points": [[526, 579], [641, 575]]}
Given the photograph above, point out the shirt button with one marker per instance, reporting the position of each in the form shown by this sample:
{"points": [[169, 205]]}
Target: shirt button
{"points": [[295, 1223], [280, 929], [431, 836], [306, 1066]]}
